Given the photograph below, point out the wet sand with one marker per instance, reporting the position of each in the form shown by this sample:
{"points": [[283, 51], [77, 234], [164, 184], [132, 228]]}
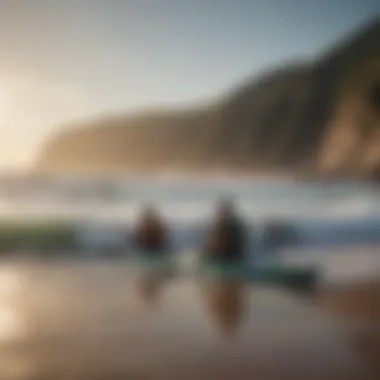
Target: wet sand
{"points": [[357, 308], [106, 322]]}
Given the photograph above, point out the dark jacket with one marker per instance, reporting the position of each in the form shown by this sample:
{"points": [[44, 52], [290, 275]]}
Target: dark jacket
{"points": [[227, 240], [150, 237]]}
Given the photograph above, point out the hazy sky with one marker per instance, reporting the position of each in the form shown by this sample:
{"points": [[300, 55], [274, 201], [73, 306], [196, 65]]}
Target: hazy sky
{"points": [[63, 60]]}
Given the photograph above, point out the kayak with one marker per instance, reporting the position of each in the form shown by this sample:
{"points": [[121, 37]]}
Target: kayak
{"points": [[305, 277], [276, 274]]}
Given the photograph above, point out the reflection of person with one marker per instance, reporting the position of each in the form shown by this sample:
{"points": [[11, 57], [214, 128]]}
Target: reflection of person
{"points": [[227, 240], [150, 285], [225, 303], [150, 235]]}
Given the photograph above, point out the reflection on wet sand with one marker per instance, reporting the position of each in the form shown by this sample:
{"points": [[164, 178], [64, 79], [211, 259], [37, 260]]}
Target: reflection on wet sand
{"points": [[357, 308], [86, 322], [224, 299], [150, 284]]}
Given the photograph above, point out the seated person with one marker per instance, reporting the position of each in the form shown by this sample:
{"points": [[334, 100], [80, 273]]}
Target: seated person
{"points": [[150, 235], [227, 240]]}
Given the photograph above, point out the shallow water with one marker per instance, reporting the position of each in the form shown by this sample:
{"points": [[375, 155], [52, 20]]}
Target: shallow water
{"points": [[107, 320], [322, 213]]}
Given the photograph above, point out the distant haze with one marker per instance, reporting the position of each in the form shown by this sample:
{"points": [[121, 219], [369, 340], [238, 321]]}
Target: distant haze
{"points": [[66, 60]]}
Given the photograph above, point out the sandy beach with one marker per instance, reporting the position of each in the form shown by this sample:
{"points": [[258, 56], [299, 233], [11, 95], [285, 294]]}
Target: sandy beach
{"points": [[99, 322]]}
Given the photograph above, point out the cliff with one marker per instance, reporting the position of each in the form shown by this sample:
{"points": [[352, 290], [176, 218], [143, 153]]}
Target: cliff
{"points": [[315, 117]]}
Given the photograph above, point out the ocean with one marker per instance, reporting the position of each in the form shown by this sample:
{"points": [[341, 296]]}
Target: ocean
{"points": [[317, 209]]}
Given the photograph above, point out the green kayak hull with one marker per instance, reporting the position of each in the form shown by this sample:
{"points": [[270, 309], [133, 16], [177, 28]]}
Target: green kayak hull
{"points": [[305, 277], [298, 277]]}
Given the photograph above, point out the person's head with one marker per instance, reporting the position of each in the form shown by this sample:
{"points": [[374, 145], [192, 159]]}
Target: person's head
{"points": [[148, 213], [225, 208]]}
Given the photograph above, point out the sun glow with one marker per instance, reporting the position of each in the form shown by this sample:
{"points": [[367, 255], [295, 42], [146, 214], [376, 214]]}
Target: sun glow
{"points": [[11, 322], [31, 108]]}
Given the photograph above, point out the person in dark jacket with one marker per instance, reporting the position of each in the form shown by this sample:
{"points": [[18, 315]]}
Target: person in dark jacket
{"points": [[150, 235], [227, 240]]}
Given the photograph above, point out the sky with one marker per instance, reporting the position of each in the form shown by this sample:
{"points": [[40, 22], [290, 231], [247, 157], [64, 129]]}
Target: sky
{"points": [[66, 60]]}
